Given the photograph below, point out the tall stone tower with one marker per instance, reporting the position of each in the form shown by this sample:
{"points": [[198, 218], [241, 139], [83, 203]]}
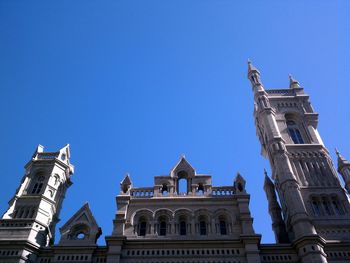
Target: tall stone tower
{"points": [[29, 223], [315, 206]]}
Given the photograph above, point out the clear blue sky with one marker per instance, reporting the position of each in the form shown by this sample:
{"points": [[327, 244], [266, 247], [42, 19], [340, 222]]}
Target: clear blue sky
{"points": [[132, 85]]}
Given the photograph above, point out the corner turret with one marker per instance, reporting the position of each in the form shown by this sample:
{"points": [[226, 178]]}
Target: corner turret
{"points": [[344, 170]]}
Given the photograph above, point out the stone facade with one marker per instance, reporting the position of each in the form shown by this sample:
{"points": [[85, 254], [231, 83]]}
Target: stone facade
{"points": [[183, 218]]}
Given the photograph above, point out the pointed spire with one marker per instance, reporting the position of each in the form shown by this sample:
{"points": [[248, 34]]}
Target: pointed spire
{"points": [[126, 184], [254, 76], [293, 83], [344, 170], [342, 162], [267, 182], [239, 183], [126, 179], [252, 68]]}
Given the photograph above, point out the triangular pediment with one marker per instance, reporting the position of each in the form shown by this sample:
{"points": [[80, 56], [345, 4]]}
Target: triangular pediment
{"points": [[83, 215], [81, 222]]}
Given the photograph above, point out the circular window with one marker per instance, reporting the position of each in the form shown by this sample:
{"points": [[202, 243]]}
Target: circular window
{"points": [[80, 235], [63, 157]]}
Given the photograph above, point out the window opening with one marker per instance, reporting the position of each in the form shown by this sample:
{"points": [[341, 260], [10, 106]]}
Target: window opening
{"points": [[202, 227], [182, 186], [162, 228], [200, 190], [164, 190], [316, 208], [183, 228], [294, 132], [326, 207], [143, 227], [223, 230]]}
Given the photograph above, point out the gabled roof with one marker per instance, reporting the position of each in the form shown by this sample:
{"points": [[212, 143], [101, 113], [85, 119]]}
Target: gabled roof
{"points": [[83, 215], [182, 164], [126, 180]]}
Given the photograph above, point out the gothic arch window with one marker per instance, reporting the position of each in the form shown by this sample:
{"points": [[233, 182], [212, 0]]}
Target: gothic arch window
{"points": [[294, 132]]}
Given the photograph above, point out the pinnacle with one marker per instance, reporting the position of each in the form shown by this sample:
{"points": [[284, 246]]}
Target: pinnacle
{"points": [[293, 83], [251, 67]]}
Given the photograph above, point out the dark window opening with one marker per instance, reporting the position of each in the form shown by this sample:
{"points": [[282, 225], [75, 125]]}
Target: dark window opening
{"points": [[143, 228], [202, 228], [294, 132], [200, 190], [164, 190], [183, 228], [316, 208], [162, 228], [223, 230]]}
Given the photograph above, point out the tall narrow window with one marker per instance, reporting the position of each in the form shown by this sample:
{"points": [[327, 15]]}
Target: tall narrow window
{"points": [[327, 207], [38, 185], [316, 208], [223, 230], [183, 228], [143, 228], [337, 207], [294, 132], [182, 186], [202, 227], [162, 228]]}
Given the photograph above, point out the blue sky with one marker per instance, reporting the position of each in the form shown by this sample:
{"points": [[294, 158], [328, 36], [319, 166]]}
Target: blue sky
{"points": [[132, 85]]}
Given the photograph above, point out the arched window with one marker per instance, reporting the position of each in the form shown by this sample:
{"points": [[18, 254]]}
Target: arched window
{"points": [[294, 132], [38, 185], [222, 225], [200, 190], [164, 190], [183, 226]]}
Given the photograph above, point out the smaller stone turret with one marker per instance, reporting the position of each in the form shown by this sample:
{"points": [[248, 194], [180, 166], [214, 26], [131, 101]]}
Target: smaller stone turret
{"points": [[254, 77], [293, 83], [344, 170], [278, 225]]}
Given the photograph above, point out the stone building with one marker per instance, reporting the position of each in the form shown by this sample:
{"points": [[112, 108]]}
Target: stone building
{"points": [[183, 218]]}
